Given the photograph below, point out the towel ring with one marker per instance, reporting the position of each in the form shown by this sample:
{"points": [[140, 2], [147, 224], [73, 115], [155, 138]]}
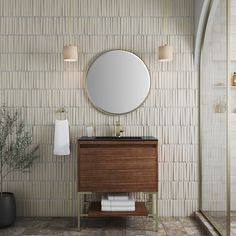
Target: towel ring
{"points": [[61, 111]]}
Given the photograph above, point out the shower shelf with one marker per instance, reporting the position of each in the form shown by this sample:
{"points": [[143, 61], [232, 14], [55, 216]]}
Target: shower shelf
{"points": [[232, 87]]}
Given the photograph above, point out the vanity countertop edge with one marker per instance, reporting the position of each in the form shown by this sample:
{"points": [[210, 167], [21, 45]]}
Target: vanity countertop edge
{"points": [[113, 138]]}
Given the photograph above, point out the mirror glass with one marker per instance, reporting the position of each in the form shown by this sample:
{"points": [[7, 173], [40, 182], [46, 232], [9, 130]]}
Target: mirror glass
{"points": [[117, 82]]}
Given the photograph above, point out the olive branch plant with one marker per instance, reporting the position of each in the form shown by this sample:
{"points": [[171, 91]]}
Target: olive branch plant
{"points": [[16, 153]]}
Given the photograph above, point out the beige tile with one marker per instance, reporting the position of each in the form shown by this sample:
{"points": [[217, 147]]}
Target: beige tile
{"points": [[35, 79]]}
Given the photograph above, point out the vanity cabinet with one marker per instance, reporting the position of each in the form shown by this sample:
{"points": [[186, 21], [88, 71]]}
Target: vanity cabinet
{"points": [[117, 165]]}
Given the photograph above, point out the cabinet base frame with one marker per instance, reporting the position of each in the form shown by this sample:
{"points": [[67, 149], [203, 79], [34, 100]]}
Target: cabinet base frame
{"points": [[81, 209]]}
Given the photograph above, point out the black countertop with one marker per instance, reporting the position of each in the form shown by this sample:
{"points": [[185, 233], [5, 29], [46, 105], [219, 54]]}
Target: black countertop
{"points": [[124, 138]]}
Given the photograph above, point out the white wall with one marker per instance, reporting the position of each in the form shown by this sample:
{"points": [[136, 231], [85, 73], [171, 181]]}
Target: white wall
{"points": [[34, 78]]}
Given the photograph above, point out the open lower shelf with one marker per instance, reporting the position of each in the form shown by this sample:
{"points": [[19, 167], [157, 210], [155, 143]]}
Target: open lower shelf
{"points": [[95, 211]]}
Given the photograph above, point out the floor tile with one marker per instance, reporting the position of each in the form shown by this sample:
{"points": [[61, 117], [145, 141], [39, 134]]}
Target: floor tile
{"points": [[130, 226]]}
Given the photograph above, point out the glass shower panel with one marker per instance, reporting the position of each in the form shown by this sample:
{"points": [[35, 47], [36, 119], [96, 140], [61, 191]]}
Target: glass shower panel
{"points": [[232, 70], [213, 117]]}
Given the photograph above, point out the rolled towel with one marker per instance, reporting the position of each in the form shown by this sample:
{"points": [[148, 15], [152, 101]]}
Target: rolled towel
{"points": [[61, 138]]}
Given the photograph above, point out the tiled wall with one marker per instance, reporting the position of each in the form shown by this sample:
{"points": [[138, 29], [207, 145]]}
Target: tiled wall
{"points": [[34, 78]]}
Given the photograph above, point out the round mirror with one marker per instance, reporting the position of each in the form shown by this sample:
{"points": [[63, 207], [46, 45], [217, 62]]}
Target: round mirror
{"points": [[117, 82]]}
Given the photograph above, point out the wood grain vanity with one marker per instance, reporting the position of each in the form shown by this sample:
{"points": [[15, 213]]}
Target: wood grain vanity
{"points": [[116, 165]]}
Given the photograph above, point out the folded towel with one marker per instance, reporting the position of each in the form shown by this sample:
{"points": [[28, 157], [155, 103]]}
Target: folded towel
{"points": [[117, 204], [105, 202], [118, 196], [116, 208], [61, 138]]}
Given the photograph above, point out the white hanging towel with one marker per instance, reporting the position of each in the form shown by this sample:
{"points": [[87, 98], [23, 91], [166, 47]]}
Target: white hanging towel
{"points": [[61, 138]]}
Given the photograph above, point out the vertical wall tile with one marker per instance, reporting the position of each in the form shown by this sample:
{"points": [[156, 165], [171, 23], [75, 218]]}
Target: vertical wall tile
{"points": [[35, 80]]}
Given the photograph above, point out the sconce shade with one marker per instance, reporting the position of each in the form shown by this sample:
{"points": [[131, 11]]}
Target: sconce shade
{"points": [[70, 53], [165, 53]]}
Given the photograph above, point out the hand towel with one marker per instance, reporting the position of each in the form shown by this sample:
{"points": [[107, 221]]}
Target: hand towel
{"points": [[61, 138], [119, 203]]}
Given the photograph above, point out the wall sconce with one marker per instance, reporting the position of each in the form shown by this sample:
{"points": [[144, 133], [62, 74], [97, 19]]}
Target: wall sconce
{"points": [[165, 53], [70, 53]]}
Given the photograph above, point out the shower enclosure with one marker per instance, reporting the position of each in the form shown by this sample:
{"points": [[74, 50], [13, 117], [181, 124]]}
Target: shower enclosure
{"points": [[216, 116]]}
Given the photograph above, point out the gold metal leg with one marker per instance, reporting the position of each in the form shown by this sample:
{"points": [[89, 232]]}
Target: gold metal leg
{"points": [[156, 217], [82, 204], [155, 208], [153, 204], [79, 211]]}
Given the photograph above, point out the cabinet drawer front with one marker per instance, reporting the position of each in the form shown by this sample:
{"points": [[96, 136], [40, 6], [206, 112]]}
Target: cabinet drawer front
{"points": [[117, 168], [123, 172], [117, 163]]}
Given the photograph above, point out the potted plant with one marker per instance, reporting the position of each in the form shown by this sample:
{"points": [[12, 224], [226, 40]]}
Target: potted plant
{"points": [[16, 154]]}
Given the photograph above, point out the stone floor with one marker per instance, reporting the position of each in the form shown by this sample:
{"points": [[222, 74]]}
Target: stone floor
{"points": [[206, 224], [233, 223], [133, 226], [220, 220]]}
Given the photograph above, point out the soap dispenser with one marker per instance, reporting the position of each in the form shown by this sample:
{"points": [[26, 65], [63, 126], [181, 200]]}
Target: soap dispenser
{"points": [[234, 79], [118, 129]]}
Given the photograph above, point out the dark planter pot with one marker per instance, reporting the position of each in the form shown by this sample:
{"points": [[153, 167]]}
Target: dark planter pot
{"points": [[7, 209]]}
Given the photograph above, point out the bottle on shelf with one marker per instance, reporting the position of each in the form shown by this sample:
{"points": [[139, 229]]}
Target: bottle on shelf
{"points": [[217, 106], [234, 79], [220, 105]]}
